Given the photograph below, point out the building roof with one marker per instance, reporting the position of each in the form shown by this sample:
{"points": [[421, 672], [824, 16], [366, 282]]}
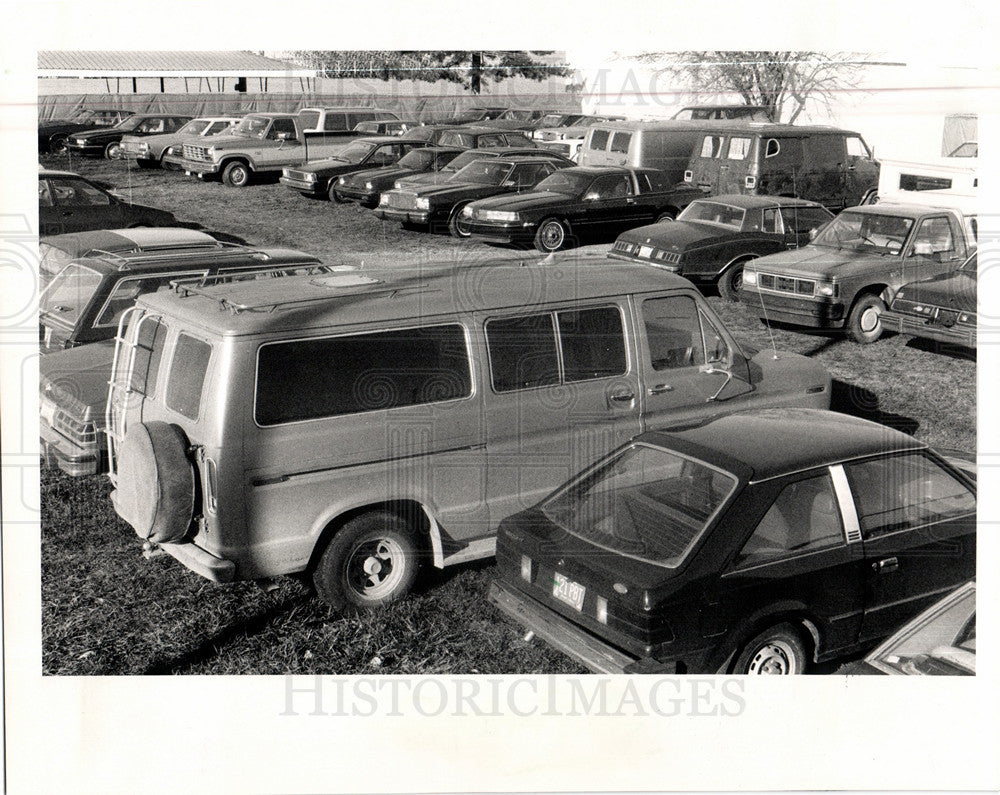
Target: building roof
{"points": [[163, 63]]}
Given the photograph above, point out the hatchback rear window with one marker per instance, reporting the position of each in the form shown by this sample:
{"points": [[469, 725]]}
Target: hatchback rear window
{"points": [[187, 375], [310, 379]]}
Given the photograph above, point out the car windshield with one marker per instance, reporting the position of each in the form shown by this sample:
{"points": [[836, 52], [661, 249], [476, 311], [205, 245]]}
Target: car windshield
{"points": [[646, 502], [194, 127], [69, 293], [354, 153], [714, 213], [484, 172], [462, 161], [252, 127], [570, 183], [418, 160], [129, 123], [99, 118], [554, 119], [883, 234]]}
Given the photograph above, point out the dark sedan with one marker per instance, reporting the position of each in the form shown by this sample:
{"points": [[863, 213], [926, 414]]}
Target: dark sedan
{"points": [[712, 238], [437, 206], [470, 155], [107, 141], [583, 201], [483, 138], [941, 308], [69, 203], [52, 134], [319, 178], [754, 543], [366, 187]]}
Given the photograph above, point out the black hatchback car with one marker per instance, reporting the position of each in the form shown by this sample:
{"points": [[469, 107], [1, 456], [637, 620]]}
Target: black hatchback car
{"points": [[712, 238], [107, 141], [755, 543]]}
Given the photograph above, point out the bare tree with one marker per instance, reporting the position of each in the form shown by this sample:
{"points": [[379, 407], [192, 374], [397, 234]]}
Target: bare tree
{"points": [[782, 82], [471, 68]]}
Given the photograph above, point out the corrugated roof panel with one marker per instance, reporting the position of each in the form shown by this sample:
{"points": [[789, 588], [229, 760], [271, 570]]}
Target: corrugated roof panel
{"points": [[206, 62]]}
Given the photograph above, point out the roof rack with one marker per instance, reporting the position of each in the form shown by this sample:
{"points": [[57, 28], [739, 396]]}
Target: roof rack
{"points": [[125, 259]]}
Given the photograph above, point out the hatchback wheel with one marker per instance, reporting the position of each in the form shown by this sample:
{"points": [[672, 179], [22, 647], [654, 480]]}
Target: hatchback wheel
{"points": [[777, 651]]}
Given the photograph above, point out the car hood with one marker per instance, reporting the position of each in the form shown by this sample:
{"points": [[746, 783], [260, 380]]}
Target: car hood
{"points": [[232, 141], [165, 138], [953, 290], [453, 191], [533, 200], [386, 174], [816, 261], [328, 167], [97, 133], [676, 235], [78, 377]]}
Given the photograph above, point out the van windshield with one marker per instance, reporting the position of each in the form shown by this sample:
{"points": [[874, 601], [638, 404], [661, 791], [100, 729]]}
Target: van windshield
{"points": [[646, 502], [883, 234], [69, 293], [725, 215]]}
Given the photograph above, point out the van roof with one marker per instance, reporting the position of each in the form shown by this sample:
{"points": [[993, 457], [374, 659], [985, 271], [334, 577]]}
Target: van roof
{"points": [[417, 290], [724, 126]]}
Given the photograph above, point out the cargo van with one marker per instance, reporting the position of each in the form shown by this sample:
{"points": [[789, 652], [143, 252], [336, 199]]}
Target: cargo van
{"points": [[351, 426], [823, 164]]}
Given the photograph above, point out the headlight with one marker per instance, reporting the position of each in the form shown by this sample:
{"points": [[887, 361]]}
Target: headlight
{"points": [[81, 141], [383, 199], [342, 181], [369, 186], [829, 290], [423, 203], [500, 215], [210, 152], [749, 277], [172, 150], [526, 568], [965, 317]]}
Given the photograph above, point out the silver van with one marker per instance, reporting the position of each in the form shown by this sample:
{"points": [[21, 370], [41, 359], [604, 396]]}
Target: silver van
{"points": [[352, 426]]}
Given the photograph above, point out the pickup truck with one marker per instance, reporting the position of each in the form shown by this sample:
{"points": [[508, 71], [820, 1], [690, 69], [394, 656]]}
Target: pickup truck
{"points": [[261, 143]]}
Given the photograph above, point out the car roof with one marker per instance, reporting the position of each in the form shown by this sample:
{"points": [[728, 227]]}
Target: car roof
{"points": [[143, 237], [596, 170], [420, 291], [48, 172], [756, 445], [750, 201], [911, 210], [181, 258]]}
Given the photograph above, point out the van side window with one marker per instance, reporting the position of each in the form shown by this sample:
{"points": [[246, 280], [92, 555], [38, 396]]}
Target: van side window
{"points": [[522, 352], [620, 142], [711, 146], [334, 122], [673, 332], [826, 151], [857, 148], [772, 147], [148, 352], [187, 375], [309, 379], [738, 148], [599, 140], [593, 345]]}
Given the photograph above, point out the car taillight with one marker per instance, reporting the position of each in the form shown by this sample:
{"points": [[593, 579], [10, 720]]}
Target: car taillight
{"points": [[526, 566], [602, 609], [751, 183], [689, 176]]}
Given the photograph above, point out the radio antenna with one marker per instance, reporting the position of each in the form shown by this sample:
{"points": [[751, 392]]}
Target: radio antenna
{"points": [[770, 332]]}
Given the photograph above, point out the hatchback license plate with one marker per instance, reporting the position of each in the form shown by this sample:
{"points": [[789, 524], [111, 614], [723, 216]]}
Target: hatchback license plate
{"points": [[567, 591]]}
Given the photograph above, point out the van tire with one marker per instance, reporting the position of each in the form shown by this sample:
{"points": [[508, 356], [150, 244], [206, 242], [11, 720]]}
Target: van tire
{"points": [[371, 561], [156, 482], [236, 174], [864, 323], [731, 280], [551, 235]]}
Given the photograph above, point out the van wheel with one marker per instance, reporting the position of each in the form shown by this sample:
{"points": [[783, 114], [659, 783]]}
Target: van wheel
{"points": [[236, 175], [551, 235], [371, 561], [777, 651], [864, 323], [731, 281]]}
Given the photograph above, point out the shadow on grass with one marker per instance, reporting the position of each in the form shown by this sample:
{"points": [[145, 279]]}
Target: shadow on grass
{"points": [[861, 402], [432, 579], [949, 349]]}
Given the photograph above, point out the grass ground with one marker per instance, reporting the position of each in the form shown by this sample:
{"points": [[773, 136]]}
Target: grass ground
{"points": [[105, 610]]}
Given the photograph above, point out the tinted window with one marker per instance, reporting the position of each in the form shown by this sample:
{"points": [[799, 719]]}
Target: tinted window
{"points": [[593, 345], [335, 122], [77, 193], [522, 352], [148, 352], [620, 142], [826, 151], [599, 139], [308, 379], [803, 219], [804, 517], [187, 375], [905, 491]]}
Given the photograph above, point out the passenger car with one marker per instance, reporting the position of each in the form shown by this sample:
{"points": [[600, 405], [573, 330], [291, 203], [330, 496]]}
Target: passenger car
{"points": [[385, 127], [372, 419], [56, 251], [106, 141], [845, 277], [577, 202], [69, 203], [149, 150], [471, 155], [941, 308], [483, 138], [366, 187], [440, 205], [712, 238], [318, 178], [755, 543], [52, 134], [941, 641]]}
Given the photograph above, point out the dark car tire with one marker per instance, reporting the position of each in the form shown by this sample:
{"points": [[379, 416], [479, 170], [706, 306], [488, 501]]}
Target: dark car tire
{"points": [[551, 235], [666, 215], [113, 151], [331, 193], [371, 561], [778, 651], [731, 280], [57, 144], [454, 222], [236, 175], [864, 323]]}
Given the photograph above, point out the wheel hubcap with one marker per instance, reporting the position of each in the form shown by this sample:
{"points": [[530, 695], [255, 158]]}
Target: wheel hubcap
{"points": [[870, 319], [552, 236], [773, 659], [375, 568]]}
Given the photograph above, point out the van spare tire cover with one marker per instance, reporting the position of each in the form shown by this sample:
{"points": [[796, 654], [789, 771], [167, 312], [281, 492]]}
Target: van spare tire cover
{"points": [[155, 492]]}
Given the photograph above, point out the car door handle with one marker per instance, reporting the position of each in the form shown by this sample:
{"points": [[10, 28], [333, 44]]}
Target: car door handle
{"points": [[886, 564], [622, 397], [659, 389]]}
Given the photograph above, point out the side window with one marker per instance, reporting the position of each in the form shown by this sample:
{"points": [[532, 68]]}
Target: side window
{"points": [[803, 518], [621, 141], [803, 219], [384, 156], [150, 126], [772, 147], [282, 128], [934, 239], [174, 124], [127, 291], [711, 146], [772, 222], [310, 379], [825, 151], [738, 148], [599, 140], [187, 375], [335, 122], [217, 127], [77, 193], [905, 491], [148, 352], [529, 175], [522, 352], [673, 332], [593, 343], [857, 148], [516, 139], [613, 186], [490, 141], [715, 346]]}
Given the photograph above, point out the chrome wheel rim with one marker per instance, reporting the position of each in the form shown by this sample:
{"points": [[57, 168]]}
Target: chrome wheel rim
{"points": [[375, 568], [552, 235], [238, 176], [870, 319], [776, 658]]}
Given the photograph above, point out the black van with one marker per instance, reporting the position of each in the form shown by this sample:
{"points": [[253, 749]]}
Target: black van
{"points": [[823, 164]]}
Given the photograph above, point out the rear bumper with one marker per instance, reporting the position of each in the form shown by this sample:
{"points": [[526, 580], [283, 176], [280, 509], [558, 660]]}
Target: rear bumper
{"points": [[921, 327], [73, 459], [201, 562], [587, 649], [797, 311]]}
